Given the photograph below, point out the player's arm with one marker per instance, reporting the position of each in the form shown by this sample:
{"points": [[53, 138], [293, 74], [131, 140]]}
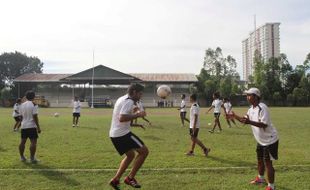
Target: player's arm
{"points": [[210, 108], [129, 117], [195, 122], [36, 121], [245, 119]]}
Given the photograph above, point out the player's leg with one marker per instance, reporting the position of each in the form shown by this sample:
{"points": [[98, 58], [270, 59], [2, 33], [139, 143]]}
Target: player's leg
{"points": [[73, 120], [22, 148], [182, 119], [218, 122], [228, 122], [270, 171], [259, 179], [130, 155], [77, 120], [33, 149], [139, 160]]}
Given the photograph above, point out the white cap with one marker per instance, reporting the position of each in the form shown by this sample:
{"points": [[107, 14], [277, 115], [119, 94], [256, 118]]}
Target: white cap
{"points": [[253, 91]]}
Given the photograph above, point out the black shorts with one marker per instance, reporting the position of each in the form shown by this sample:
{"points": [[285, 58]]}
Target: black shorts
{"points": [[18, 118], [195, 133], [127, 142], [217, 115], [269, 152], [183, 114], [76, 114], [30, 133]]}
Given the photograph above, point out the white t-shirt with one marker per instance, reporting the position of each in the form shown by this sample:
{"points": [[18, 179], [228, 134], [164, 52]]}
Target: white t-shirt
{"points": [[227, 106], [182, 106], [27, 110], [264, 136], [194, 111], [76, 107], [16, 108], [140, 105], [217, 103], [123, 106]]}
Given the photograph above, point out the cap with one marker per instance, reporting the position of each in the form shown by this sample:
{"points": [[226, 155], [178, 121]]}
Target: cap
{"points": [[253, 91]]}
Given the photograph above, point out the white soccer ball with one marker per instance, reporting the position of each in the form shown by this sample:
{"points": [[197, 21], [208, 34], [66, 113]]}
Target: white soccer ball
{"points": [[163, 91], [56, 114]]}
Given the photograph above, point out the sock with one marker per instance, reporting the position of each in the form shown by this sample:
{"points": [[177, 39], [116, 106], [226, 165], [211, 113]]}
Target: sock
{"points": [[271, 185], [260, 176]]}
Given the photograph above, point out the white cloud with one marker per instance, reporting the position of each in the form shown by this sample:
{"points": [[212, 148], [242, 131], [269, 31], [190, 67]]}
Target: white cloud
{"points": [[145, 36]]}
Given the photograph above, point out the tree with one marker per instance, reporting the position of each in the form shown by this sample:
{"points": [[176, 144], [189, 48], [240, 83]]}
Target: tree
{"points": [[218, 74], [15, 64]]}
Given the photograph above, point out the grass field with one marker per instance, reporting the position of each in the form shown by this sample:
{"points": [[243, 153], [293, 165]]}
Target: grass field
{"points": [[84, 158]]}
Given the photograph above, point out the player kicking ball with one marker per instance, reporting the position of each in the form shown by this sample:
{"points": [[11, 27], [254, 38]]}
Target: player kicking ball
{"points": [[194, 127], [265, 134], [124, 141]]}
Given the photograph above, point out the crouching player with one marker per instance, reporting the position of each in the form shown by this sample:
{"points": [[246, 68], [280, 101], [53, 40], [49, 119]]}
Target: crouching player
{"points": [[265, 134], [124, 141]]}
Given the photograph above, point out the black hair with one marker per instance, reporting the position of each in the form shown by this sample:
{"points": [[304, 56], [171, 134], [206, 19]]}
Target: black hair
{"points": [[183, 96], [216, 94], [18, 100], [135, 87], [193, 97], [30, 95]]}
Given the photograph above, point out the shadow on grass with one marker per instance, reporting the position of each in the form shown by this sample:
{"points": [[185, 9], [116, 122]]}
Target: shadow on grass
{"points": [[152, 138], [92, 128], [53, 175], [2, 149], [235, 163]]}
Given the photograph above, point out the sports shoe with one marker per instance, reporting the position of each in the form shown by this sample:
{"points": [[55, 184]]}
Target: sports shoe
{"points": [[211, 131], [190, 153], [257, 181], [132, 182], [115, 184], [23, 159], [73, 125], [34, 161], [269, 188], [206, 151]]}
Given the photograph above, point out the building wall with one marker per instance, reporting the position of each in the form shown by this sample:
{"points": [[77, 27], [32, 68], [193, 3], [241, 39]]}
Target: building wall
{"points": [[265, 39]]}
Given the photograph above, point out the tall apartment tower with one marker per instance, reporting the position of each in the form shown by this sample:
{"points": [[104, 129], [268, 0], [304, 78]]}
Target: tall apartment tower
{"points": [[266, 40]]}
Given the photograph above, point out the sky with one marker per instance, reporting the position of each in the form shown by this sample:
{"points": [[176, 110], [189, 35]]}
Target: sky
{"points": [[146, 36]]}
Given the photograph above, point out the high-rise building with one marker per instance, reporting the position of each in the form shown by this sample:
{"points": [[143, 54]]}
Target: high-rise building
{"points": [[264, 40]]}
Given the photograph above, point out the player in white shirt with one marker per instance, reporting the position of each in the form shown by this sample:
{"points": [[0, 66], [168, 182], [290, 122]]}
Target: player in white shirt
{"points": [[182, 109], [16, 114], [228, 110], [124, 141], [139, 107], [76, 111], [265, 134], [217, 104], [30, 127], [194, 127]]}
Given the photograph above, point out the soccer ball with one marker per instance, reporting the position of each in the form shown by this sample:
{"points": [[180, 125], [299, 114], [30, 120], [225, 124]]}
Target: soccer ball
{"points": [[163, 91], [56, 114]]}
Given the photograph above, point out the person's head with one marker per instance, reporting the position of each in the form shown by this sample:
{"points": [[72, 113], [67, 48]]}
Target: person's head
{"points": [[18, 100], [216, 95], [30, 95], [76, 98], [226, 100], [253, 95], [135, 91], [183, 96], [193, 98]]}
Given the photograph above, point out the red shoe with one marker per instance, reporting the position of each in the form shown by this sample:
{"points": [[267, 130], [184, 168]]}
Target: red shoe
{"points": [[115, 184], [132, 182], [257, 181], [269, 188]]}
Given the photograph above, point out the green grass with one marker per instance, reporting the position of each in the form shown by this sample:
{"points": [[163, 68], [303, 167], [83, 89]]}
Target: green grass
{"points": [[88, 147]]}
